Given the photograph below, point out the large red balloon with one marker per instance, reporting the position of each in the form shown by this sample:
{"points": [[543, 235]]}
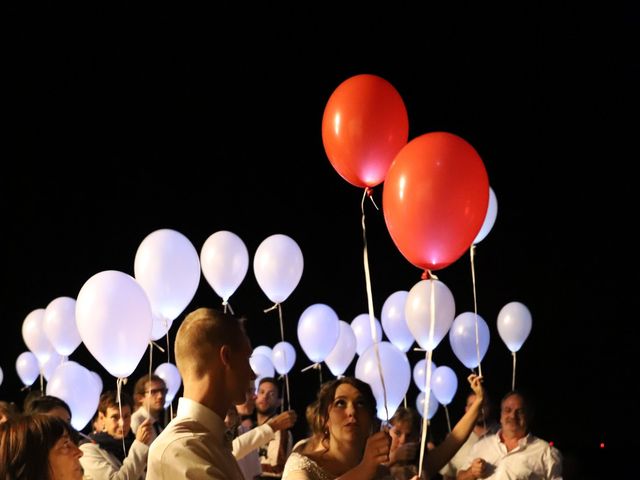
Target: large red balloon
{"points": [[364, 126], [435, 198]]}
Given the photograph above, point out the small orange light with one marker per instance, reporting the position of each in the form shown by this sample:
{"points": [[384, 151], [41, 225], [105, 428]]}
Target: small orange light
{"points": [[551, 443]]}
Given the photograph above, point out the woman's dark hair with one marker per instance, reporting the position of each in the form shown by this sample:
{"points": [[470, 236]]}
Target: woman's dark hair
{"points": [[25, 443], [327, 394], [47, 403]]}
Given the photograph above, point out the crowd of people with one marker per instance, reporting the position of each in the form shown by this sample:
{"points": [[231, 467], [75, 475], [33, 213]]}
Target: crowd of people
{"points": [[226, 427]]}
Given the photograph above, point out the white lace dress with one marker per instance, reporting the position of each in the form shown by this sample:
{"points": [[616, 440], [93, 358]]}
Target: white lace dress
{"points": [[301, 467]]}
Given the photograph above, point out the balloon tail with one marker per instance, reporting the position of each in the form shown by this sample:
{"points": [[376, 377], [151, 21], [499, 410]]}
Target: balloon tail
{"points": [[446, 411], [226, 305], [372, 322], [119, 383], [472, 255], [286, 384], [41, 383], [319, 372], [405, 401], [513, 377], [150, 363], [425, 411], [281, 324]]}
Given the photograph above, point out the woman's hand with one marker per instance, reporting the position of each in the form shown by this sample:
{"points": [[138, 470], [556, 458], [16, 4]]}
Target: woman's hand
{"points": [[376, 451]]}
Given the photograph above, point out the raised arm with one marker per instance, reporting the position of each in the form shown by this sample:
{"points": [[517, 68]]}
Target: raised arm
{"points": [[441, 454]]}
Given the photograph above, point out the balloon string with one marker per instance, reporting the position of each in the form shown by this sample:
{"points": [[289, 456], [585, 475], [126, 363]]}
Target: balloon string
{"points": [[314, 365], [513, 378], [429, 354], [472, 254], [405, 401], [281, 324], [446, 411], [372, 321], [119, 383], [273, 307], [227, 305], [425, 412], [150, 358], [286, 383], [168, 348], [157, 346], [41, 383]]}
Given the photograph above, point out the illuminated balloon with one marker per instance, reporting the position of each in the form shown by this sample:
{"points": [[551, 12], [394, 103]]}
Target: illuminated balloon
{"points": [[444, 384], [225, 260], [364, 126], [361, 326], [435, 199], [59, 324], [318, 331], [462, 337], [490, 217], [418, 312], [27, 368], [343, 352], [394, 321], [278, 265], [284, 357], [514, 325], [433, 405]]}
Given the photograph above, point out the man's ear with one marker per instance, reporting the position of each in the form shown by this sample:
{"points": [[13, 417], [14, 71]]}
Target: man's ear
{"points": [[225, 355]]}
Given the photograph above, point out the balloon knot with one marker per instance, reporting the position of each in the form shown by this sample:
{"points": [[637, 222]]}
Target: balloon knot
{"points": [[425, 275], [368, 191]]}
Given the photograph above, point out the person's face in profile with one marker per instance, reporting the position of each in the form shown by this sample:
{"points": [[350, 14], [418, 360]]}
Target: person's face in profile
{"points": [[64, 459]]}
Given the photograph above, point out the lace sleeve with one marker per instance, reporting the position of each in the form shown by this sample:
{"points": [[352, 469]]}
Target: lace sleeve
{"points": [[301, 467]]}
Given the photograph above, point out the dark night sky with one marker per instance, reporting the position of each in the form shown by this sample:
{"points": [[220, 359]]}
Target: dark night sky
{"points": [[124, 122]]}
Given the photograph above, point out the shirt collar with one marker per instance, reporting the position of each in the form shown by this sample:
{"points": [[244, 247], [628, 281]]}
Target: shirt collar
{"points": [[203, 415]]}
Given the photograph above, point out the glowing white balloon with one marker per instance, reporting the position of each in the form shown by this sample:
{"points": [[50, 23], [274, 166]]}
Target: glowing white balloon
{"points": [[514, 325], [278, 265], [462, 337], [34, 337], [284, 357], [59, 324], [394, 322], [361, 326], [168, 269], [433, 405], [27, 368], [318, 331], [114, 319], [225, 260], [169, 373], [261, 365], [343, 352], [74, 384], [490, 217], [264, 350], [444, 384], [418, 312], [420, 374], [395, 371]]}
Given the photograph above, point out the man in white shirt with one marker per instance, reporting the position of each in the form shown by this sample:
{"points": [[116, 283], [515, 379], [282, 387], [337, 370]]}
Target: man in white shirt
{"points": [[513, 452], [212, 355]]}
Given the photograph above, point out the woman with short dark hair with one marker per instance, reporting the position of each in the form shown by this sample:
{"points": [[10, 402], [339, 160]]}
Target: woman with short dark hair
{"points": [[39, 447]]}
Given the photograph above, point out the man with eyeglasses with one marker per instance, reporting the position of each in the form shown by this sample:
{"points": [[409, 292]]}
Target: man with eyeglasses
{"points": [[150, 394]]}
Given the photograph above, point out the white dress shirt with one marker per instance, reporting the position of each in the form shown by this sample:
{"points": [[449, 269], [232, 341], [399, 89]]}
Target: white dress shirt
{"points": [[193, 446]]}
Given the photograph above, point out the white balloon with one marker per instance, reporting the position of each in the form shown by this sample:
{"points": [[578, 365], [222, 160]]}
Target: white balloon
{"points": [[114, 319], [168, 269], [261, 365], [1, 375], [97, 380], [344, 350], [514, 325], [51, 364], [420, 374], [394, 322], [264, 350], [34, 336], [418, 312], [395, 371], [433, 405], [224, 259], [27, 368], [444, 384], [59, 325], [74, 384], [318, 331], [462, 337], [160, 326], [278, 265], [361, 326], [169, 373], [489, 218], [284, 357]]}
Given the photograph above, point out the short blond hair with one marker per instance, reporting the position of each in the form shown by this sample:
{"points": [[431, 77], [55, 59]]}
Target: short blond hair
{"points": [[200, 333]]}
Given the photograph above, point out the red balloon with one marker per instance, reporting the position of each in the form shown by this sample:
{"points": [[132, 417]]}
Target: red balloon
{"points": [[435, 199], [364, 126]]}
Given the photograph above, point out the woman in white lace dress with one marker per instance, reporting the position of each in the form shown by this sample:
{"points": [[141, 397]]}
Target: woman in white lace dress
{"points": [[348, 445]]}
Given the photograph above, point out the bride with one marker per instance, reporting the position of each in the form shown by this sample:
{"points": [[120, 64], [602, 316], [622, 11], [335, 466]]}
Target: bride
{"points": [[348, 445]]}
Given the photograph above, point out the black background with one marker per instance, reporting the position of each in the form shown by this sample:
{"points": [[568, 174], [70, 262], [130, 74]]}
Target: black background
{"points": [[120, 121]]}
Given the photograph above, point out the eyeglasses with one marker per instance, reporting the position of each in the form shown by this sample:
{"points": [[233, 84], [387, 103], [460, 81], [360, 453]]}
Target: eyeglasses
{"points": [[156, 391]]}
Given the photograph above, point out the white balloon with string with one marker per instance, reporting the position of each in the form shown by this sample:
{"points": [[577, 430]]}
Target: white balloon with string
{"points": [[34, 335], [169, 373], [429, 323], [59, 324], [394, 321], [261, 365], [468, 347], [224, 259], [284, 357], [420, 374], [393, 366], [318, 331], [27, 368], [264, 350]]}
